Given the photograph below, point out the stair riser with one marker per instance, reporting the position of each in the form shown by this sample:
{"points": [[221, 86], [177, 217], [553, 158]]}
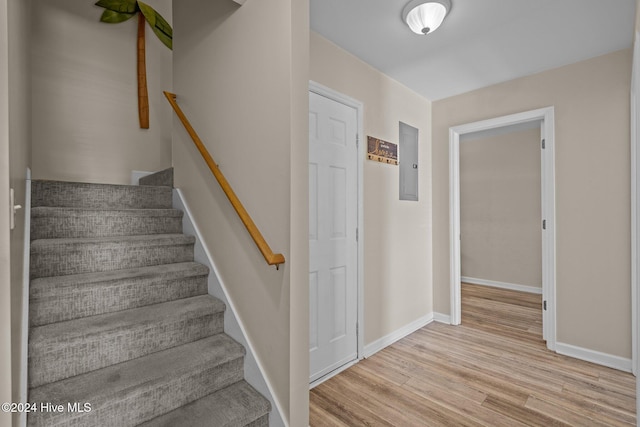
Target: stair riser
{"points": [[260, 422], [99, 196], [107, 297], [88, 258], [53, 360], [104, 225], [161, 178], [150, 400]]}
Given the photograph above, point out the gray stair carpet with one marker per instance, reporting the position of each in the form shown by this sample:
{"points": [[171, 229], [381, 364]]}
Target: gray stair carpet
{"points": [[120, 318]]}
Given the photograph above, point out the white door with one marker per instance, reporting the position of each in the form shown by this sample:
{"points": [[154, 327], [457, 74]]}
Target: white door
{"points": [[333, 207]]}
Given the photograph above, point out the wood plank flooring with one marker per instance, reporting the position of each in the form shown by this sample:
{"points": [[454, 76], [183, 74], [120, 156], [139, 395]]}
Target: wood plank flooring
{"points": [[493, 370]]}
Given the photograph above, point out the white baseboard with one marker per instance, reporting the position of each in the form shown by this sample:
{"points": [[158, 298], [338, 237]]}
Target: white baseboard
{"points": [[379, 344], [442, 318], [604, 359], [502, 285]]}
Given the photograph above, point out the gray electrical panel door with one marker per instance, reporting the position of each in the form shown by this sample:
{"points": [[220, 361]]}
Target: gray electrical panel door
{"points": [[408, 162]]}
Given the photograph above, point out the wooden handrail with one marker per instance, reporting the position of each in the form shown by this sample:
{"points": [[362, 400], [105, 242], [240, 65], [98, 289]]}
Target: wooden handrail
{"points": [[267, 253]]}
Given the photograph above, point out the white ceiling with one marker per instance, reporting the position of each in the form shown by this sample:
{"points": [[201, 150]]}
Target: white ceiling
{"points": [[481, 42]]}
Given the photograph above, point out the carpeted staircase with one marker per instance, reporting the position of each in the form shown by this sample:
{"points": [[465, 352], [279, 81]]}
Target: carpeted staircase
{"points": [[120, 318]]}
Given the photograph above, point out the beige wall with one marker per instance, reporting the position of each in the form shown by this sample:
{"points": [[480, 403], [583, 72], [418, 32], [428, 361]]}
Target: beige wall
{"points": [[20, 159], [85, 111], [397, 234], [637, 26], [14, 160], [240, 76], [591, 100], [299, 219], [5, 248], [500, 213]]}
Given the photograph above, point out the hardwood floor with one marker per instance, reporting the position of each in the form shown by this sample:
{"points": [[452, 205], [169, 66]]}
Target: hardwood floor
{"points": [[493, 370]]}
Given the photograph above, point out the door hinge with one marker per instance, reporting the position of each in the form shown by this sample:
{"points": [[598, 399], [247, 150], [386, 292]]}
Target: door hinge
{"points": [[356, 234], [544, 305], [357, 140], [544, 224], [543, 144], [357, 329]]}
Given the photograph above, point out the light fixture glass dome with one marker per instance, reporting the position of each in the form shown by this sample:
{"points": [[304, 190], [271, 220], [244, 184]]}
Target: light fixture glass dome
{"points": [[425, 16]]}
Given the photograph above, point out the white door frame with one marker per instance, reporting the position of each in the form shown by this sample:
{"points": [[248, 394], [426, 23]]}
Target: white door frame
{"points": [[358, 106], [546, 115], [635, 210]]}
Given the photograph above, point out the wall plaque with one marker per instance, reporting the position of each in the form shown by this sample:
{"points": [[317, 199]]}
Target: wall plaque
{"points": [[382, 151]]}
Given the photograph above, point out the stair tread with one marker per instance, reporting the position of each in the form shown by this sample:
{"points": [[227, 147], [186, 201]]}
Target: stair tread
{"points": [[145, 239], [122, 320], [138, 340], [56, 211], [61, 298], [112, 381], [93, 184], [236, 405], [46, 285], [65, 193]]}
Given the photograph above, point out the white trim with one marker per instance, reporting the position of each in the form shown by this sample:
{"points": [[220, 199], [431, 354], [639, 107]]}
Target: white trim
{"points": [[24, 352], [604, 359], [635, 208], [455, 291], [546, 115], [501, 285], [387, 340], [359, 107], [333, 373], [253, 369], [441, 318]]}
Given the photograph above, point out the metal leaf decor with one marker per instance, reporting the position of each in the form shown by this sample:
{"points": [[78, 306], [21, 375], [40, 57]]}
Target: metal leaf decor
{"points": [[117, 11]]}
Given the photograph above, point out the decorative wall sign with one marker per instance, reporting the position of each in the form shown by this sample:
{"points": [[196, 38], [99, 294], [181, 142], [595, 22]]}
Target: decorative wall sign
{"points": [[382, 151]]}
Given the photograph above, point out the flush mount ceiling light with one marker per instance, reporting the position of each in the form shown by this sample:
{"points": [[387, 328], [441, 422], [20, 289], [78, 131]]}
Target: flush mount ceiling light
{"points": [[425, 16]]}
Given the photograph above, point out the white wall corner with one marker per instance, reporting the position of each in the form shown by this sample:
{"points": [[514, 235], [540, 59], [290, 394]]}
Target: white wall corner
{"points": [[604, 359], [240, 2], [387, 340], [254, 372]]}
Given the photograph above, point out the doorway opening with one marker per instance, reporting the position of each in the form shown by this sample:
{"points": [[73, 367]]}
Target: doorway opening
{"points": [[501, 236], [545, 117]]}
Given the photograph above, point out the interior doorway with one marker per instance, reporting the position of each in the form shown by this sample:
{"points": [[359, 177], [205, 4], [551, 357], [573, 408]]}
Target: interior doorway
{"points": [[501, 236], [545, 117]]}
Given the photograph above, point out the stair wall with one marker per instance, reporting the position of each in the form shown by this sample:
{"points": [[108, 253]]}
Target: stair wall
{"points": [[253, 371]]}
